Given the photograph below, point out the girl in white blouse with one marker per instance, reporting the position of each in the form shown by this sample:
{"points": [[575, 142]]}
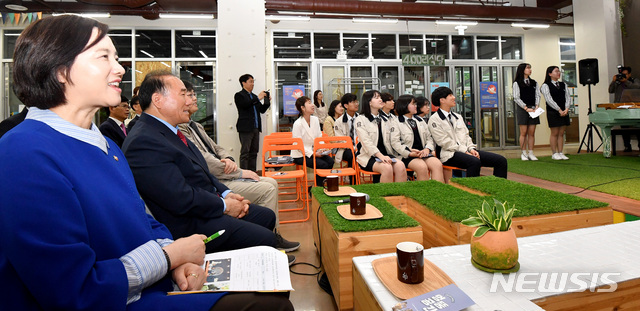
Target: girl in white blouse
{"points": [[321, 108], [307, 127]]}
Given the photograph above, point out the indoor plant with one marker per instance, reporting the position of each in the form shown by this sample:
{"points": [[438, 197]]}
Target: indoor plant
{"points": [[494, 246]]}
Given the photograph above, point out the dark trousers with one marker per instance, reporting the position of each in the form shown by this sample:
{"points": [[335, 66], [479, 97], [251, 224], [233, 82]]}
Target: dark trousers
{"points": [[254, 229], [324, 162], [626, 138], [254, 302], [250, 142], [473, 164]]}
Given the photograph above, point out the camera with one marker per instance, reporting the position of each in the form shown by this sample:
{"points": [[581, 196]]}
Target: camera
{"points": [[620, 76]]}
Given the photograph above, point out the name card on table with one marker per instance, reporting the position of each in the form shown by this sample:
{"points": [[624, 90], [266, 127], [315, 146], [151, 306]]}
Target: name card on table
{"points": [[448, 298]]}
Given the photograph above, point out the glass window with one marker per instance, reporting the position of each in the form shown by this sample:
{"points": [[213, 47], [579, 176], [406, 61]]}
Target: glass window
{"points": [[356, 45], [383, 46], [389, 80], [326, 45], [438, 45], [462, 47], [195, 43], [202, 76], [153, 43], [10, 38], [122, 40], [414, 81], [511, 48], [487, 47], [291, 45], [567, 49], [290, 80], [127, 80], [411, 44]]}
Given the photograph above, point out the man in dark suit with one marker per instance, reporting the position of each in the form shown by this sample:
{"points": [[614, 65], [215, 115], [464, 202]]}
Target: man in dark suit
{"points": [[174, 180], [249, 123], [114, 127], [12, 121], [135, 105]]}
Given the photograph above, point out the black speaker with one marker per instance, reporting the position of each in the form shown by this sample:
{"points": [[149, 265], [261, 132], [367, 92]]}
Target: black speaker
{"points": [[588, 70]]}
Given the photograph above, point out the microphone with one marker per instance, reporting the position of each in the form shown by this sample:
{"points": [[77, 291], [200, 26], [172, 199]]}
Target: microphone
{"points": [[367, 197]]}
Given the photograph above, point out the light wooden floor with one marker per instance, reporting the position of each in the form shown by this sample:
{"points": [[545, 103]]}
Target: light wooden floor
{"points": [[309, 296]]}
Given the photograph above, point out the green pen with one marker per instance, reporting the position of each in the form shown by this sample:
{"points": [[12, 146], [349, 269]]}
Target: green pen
{"points": [[213, 236]]}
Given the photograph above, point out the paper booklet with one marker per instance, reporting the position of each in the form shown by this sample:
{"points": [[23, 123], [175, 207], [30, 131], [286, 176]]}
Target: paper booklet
{"points": [[536, 113], [258, 268]]}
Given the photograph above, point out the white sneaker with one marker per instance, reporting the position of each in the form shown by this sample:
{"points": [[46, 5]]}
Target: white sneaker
{"points": [[532, 157], [524, 157], [562, 156], [556, 156]]}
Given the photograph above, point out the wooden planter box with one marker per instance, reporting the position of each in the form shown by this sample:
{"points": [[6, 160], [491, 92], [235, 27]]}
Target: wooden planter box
{"points": [[438, 231], [338, 248]]}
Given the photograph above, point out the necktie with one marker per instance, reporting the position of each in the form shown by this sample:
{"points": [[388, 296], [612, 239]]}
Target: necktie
{"points": [[124, 129], [527, 82], [450, 120], [351, 131], [255, 112], [184, 139], [412, 123]]}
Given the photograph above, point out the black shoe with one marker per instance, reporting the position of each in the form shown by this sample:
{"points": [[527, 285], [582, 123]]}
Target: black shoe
{"points": [[285, 245], [291, 259]]}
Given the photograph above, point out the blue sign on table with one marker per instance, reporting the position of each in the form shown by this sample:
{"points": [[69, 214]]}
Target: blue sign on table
{"points": [[489, 94], [290, 94], [448, 298]]}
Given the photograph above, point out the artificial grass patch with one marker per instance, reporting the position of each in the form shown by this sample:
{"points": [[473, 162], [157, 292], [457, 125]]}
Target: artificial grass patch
{"points": [[616, 175], [449, 202]]}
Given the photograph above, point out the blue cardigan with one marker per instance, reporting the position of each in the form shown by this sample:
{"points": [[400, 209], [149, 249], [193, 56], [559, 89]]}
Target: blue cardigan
{"points": [[69, 212]]}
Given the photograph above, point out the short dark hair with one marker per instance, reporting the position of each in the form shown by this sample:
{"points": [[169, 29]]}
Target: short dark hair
{"points": [[627, 68], [135, 100], [153, 83], [441, 92], [332, 108], [188, 85], [300, 102], [244, 78], [123, 99], [421, 101], [47, 48], [366, 100], [347, 98], [386, 97], [402, 104]]}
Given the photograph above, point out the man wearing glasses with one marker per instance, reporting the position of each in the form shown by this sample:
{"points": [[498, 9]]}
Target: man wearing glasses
{"points": [[114, 127]]}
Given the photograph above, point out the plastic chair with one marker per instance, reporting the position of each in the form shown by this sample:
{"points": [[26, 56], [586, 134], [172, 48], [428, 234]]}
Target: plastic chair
{"points": [[300, 175], [281, 184], [330, 143]]}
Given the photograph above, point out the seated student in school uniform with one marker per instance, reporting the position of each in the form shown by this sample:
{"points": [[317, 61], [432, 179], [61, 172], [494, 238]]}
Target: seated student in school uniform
{"points": [[335, 111], [411, 140], [374, 148], [424, 108], [388, 107], [454, 146]]}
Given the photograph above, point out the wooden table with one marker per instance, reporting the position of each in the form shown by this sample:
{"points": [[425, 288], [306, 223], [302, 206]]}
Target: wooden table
{"points": [[605, 249]]}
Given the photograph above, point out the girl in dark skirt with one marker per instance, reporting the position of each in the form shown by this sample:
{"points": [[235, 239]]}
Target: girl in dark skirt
{"points": [[527, 97], [557, 97]]}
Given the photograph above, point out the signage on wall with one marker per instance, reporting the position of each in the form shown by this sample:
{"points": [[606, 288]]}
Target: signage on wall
{"points": [[488, 94], [290, 94], [435, 85], [423, 60]]}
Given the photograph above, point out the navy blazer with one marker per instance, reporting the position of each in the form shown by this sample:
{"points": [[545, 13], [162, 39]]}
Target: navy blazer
{"points": [[110, 128], [246, 115], [132, 123], [173, 179], [12, 121]]}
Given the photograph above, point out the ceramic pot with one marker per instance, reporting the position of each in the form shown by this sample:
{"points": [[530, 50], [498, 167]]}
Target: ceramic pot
{"points": [[495, 249]]}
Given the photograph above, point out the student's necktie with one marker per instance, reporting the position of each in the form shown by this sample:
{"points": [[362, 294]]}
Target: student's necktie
{"points": [[450, 120]]}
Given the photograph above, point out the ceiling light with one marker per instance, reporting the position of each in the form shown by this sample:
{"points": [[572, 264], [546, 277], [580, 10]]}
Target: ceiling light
{"points": [[374, 20], [465, 23], [287, 18], [294, 13], [187, 16], [15, 5], [460, 29], [146, 53], [523, 25], [203, 55]]}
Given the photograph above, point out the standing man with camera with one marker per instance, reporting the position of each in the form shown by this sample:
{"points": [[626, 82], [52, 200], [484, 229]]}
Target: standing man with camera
{"points": [[249, 123], [621, 82]]}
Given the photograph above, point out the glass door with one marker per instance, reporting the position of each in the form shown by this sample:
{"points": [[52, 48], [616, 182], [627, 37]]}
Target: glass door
{"points": [[333, 85], [414, 81], [465, 97], [389, 80], [512, 131], [358, 88], [202, 76], [292, 81], [438, 76], [489, 106]]}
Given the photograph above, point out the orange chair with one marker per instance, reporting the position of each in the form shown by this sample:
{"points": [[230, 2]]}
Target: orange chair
{"points": [[270, 146], [330, 143], [362, 179], [282, 184]]}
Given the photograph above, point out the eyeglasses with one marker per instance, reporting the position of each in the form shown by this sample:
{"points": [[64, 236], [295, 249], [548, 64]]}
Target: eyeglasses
{"points": [[124, 106]]}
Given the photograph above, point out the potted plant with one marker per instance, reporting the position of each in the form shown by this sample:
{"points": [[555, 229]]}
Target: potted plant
{"points": [[494, 246]]}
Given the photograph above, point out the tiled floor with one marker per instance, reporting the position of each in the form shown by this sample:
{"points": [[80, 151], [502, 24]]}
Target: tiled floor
{"points": [[309, 296]]}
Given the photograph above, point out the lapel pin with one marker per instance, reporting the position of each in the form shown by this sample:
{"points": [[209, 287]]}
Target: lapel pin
{"points": [[115, 158]]}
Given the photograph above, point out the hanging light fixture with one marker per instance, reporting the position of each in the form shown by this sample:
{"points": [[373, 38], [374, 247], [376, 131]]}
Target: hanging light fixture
{"points": [[14, 5]]}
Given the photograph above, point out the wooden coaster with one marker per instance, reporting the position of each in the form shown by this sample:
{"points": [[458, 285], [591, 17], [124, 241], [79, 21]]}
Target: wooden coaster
{"points": [[387, 271], [342, 191], [372, 213]]}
